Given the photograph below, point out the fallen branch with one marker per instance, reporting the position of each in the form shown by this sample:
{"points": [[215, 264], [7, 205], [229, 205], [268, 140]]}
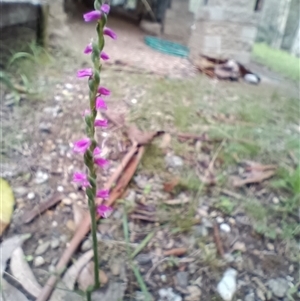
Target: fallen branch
{"points": [[130, 164], [32, 214], [218, 241]]}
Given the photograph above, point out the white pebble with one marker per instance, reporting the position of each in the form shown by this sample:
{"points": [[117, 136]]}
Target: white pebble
{"points": [[276, 200], [225, 228], [38, 261], [54, 224], [227, 286], [133, 100], [219, 219], [60, 188], [69, 86], [31, 195]]}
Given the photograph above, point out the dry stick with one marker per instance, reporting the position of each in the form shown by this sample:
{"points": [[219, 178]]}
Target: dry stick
{"points": [[86, 222], [218, 242]]}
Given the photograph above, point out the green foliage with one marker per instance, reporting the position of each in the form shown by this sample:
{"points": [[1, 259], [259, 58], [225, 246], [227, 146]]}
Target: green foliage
{"points": [[278, 60], [289, 181], [226, 205]]}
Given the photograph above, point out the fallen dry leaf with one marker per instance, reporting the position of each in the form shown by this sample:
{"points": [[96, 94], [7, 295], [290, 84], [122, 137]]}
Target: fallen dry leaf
{"points": [[7, 202], [8, 246], [86, 277], [21, 271], [254, 166], [69, 279], [176, 202], [175, 252], [169, 186], [254, 177], [141, 138], [9, 292]]}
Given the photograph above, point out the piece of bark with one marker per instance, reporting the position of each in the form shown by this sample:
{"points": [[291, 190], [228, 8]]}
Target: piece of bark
{"points": [[218, 241], [169, 186], [254, 177]]}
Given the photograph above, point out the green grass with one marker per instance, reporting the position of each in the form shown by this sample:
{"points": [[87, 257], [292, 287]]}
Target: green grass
{"points": [[277, 60]]}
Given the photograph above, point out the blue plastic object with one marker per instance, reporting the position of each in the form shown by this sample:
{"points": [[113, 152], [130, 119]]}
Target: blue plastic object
{"points": [[167, 46]]}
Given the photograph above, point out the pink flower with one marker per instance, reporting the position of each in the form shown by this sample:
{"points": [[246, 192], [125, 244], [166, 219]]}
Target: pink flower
{"points": [[103, 194], [96, 152], [104, 56], [88, 49], [85, 72], [101, 162], [81, 179], [100, 104], [109, 32], [92, 16], [104, 91], [105, 8], [86, 112], [101, 123], [104, 211], [82, 145]]}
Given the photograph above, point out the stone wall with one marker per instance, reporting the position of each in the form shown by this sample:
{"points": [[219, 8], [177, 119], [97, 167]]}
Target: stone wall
{"points": [[178, 21], [225, 29]]}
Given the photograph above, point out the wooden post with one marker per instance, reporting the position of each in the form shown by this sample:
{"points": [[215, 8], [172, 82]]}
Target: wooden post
{"points": [[42, 25]]}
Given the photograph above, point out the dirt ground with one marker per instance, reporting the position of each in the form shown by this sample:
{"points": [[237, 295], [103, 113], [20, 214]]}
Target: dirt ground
{"points": [[158, 92]]}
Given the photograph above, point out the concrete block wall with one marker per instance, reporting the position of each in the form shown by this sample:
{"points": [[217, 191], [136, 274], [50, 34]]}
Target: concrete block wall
{"points": [[178, 21], [225, 29]]}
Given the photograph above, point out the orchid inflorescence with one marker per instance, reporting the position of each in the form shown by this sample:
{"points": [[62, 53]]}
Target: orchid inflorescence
{"points": [[87, 146]]}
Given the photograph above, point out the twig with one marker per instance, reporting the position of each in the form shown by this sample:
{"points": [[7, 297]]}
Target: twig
{"points": [[85, 225], [30, 215], [232, 194], [212, 162], [175, 252], [218, 241]]}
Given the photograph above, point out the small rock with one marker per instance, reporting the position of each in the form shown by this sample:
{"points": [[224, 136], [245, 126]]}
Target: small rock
{"points": [[21, 190], [163, 278], [152, 28], [194, 293], [51, 269], [279, 287], [141, 181], [54, 224], [54, 243], [60, 188], [173, 161], [276, 200], [144, 258], [225, 228], [231, 220], [214, 214], [167, 294], [270, 247], [260, 294], [71, 225], [202, 212], [219, 219], [200, 231], [227, 286], [63, 238], [67, 201], [73, 196], [115, 268], [38, 261], [86, 245], [182, 279], [133, 100], [250, 297], [131, 196], [239, 246], [45, 127], [41, 177], [30, 195], [192, 268], [69, 86], [41, 249]]}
